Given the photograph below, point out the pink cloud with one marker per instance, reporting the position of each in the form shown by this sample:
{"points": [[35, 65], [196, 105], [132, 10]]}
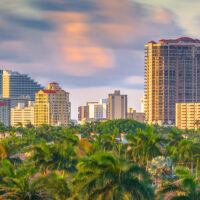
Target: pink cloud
{"points": [[162, 15], [79, 55]]}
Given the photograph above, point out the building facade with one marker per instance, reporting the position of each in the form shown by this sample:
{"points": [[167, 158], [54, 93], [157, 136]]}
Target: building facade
{"points": [[22, 114], [117, 106], [4, 114], [52, 106], [93, 111], [14, 84], [172, 75], [13, 102], [83, 113], [188, 115], [138, 116]]}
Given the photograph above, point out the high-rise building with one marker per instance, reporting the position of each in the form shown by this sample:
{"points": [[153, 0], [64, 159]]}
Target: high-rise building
{"points": [[1, 83], [188, 115], [14, 84], [172, 75], [4, 115], [117, 106], [22, 114], [52, 106]]}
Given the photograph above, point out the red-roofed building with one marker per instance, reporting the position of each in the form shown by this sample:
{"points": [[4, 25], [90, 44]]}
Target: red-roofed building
{"points": [[4, 113], [52, 106]]}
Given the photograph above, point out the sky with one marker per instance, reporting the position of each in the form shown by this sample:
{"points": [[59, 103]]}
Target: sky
{"points": [[90, 47]]}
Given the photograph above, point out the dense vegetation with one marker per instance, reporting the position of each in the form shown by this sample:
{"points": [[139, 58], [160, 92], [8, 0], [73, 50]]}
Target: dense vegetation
{"points": [[52, 163]]}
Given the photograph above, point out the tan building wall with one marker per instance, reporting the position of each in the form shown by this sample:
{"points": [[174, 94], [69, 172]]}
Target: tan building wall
{"points": [[22, 114], [188, 115], [117, 106], [6, 85], [138, 116]]}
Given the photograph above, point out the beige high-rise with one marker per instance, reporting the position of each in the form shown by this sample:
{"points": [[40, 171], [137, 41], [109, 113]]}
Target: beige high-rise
{"points": [[172, 75], [52, 106], [117, 106], [188, 115]]}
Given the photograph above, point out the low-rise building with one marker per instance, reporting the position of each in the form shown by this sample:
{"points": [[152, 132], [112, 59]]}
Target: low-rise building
{"points": [[138, 116], [22, 114]]}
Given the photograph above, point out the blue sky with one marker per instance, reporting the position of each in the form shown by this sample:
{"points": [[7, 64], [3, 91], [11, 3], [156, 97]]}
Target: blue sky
{"points": [[90, 47]]}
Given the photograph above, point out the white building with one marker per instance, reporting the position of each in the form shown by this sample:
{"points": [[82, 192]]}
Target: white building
{"points": [[98, 110], [22, 114]]}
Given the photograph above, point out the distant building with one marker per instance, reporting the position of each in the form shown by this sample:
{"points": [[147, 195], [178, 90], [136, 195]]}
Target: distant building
{"points": [[14, 84], [172, 75], [4, 114], [13, 102], [83, 113], [138, 116], [93, 111], [22, 114], [117, 106], [98, 110], [52, 106], [188, 115]]}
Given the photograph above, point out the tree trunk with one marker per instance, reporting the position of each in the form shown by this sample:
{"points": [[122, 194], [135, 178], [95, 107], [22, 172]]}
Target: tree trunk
{"points": [[197, 167]]}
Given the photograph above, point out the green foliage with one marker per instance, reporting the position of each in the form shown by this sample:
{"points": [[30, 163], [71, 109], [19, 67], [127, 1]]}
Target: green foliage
{"points": [[51, 163]]}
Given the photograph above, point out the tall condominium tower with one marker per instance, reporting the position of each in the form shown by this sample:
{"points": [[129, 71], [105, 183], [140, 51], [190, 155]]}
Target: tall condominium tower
{"points": [[117, 106], [52, 106], [172, 75], [14, 84]]}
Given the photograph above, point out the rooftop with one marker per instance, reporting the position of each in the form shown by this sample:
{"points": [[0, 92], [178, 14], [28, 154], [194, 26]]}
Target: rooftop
{"points": [[181, 39]]}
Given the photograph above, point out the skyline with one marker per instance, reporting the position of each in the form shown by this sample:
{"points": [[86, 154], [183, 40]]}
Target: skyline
{"points": [[91, 46]]}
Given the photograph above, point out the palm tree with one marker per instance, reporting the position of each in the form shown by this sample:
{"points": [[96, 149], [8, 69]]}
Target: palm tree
{"points": [[144, 146], [174, 137], [8, 147], [57, 186], [189, 189], [18, 183], [187, 150], [105, 177], [41, 156], [63, 158]]}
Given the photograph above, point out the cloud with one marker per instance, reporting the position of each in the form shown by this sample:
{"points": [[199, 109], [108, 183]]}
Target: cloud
{"points": [[82, 43], [67, 6], [134, 80], [162, 15], [89, 46]]}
